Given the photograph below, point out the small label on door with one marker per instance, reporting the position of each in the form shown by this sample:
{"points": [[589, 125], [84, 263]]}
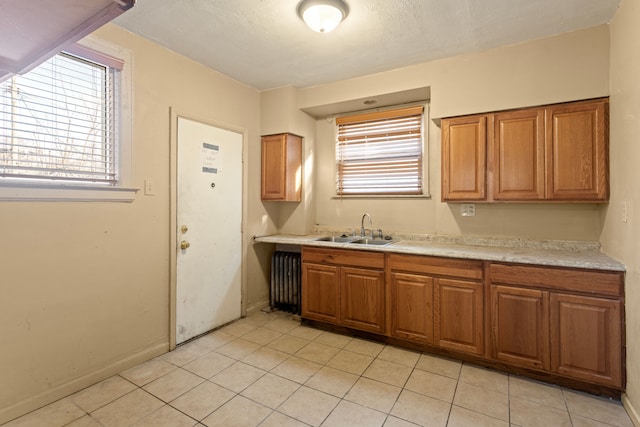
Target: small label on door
{"points": [[210, 158]]}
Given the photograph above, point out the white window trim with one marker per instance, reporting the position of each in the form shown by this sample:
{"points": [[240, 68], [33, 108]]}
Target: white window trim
{"points": [[426, 192], [124, 192]]}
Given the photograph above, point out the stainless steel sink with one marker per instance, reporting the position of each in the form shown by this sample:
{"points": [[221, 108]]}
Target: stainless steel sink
{"points": [[367, 241], [336, 239]]}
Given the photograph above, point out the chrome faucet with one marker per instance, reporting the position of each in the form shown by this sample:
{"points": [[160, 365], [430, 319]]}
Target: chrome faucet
{"points": [[366, 215]]}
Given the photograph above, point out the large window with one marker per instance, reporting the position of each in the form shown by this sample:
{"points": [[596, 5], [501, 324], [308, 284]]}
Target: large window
{"points": [[380, 153], [59, 124]]}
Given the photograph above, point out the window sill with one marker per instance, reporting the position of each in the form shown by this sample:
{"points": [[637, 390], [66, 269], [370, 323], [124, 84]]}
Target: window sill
{"points": [[65, 193], [382, 196]]}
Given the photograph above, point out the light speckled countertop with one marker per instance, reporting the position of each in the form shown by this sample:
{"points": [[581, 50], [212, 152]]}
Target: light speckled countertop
{"points": [[548, 252]]}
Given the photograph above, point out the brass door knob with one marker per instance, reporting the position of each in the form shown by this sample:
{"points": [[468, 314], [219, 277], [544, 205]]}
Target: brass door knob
{"points": [[184, 244]]}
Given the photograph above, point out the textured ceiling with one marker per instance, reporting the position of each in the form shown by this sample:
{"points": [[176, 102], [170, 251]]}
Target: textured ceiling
{"points": [[264, 44]]}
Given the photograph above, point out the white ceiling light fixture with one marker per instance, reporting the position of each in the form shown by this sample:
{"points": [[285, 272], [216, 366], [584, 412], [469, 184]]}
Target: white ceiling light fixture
{"points": [[322, 15]]}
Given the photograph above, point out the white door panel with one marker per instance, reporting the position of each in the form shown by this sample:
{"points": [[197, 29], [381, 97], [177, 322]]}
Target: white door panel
{"points": [[209, 198]]}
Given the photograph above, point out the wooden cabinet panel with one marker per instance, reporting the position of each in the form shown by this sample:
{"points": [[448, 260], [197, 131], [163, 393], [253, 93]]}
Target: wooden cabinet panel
{"points": [[459, 315], [464, 158], [577, 146], [517, 155], [281, 167], [436, 266], [344, 287], [586, 338], [320, 292], [520, 326], [412, 309], [555, 152], [362, 304], [602, 283], [345, 257]]}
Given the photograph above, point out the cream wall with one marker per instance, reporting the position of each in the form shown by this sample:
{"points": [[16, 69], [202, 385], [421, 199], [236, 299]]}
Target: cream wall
{"points": [[85, 286], [280, 114], [556, 69], [620, 239]]}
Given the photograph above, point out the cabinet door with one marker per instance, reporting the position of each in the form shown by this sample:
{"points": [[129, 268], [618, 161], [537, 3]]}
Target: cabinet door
{"points": [[520, 326], [281, 167], [517, 155], [577, 146], [458, 315], [464, 141], [586, 338], [320, 292], [273, 167], [412, 310], [362, 304]]}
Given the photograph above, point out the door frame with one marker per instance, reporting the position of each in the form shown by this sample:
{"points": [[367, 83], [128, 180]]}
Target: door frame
{"points": [[176, 113]]}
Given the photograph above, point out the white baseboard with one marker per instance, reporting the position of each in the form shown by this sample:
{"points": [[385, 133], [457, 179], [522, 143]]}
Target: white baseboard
{"points": [[633, 413], [49, 396]]}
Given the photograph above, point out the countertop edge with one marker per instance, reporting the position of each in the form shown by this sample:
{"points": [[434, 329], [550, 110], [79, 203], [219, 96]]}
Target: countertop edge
{"points": [[593, 260]]}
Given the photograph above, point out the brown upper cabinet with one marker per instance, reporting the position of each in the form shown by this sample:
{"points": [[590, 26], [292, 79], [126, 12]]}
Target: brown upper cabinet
{"points": [[281, 167], [464, 141], [551, 153]]}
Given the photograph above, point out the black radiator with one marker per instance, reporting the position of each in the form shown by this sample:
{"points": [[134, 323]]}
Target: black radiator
{"points": [[286, 281]]}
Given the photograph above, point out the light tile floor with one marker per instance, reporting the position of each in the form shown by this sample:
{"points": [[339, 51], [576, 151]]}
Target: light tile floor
{"points": [[268, 370]]}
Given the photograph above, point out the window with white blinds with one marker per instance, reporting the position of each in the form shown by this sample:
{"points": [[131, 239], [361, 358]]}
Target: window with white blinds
{"points": [[57, 123], [380, 153]]}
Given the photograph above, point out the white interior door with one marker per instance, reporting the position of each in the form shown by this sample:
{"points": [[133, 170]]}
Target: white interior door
{"points": [[209, 220]]}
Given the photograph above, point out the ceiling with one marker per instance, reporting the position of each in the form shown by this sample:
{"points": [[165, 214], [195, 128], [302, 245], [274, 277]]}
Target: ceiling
{"points": [[264, 44]]}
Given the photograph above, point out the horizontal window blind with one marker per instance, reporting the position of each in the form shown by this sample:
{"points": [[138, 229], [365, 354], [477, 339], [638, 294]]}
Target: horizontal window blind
{"points": [[380, 153], [57, 123]]}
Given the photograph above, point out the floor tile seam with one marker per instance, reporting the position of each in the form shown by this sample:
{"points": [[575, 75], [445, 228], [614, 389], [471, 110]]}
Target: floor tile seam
{"points": [[178, 396], [386, 414], [150, 381], [238, 392], [244, 397], [70, 397], [349, 372], [220, 406], [280, 404], [485, 415], [275, 411], [354, 402], [571, 415], [173, 407], [115, 400], [84, 413], [426, 395], [524, 398]]}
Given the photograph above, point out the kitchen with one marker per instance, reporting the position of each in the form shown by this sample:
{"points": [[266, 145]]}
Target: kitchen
{"points": [[98, 301]]}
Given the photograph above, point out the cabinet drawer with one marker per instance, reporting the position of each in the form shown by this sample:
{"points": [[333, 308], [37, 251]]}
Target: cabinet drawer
{"points": [[343, 257], [601, 283], [465, 269]]}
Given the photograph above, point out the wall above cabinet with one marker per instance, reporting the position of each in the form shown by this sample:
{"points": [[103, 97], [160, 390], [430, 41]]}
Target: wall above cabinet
{"points": [[552, 153], [33, 31]]}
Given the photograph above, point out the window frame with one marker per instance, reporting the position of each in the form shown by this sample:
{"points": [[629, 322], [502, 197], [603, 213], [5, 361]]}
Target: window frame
{"points": [[426, 194], [122, 191]]}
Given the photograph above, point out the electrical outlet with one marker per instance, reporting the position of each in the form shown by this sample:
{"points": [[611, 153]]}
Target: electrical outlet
{"points": [[149, 188], [468, 209]]}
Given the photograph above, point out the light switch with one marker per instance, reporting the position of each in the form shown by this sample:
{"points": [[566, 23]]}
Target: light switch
{"points": [[149, 188]]}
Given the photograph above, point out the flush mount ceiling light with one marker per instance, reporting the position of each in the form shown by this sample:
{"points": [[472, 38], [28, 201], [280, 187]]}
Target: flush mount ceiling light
{"points": [[322, 15]]}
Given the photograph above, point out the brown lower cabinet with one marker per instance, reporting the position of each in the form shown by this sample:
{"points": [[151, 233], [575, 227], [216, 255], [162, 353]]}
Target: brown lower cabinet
{"points": [[520, 326], [566, 321], [344, 287], [560, 322]]}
